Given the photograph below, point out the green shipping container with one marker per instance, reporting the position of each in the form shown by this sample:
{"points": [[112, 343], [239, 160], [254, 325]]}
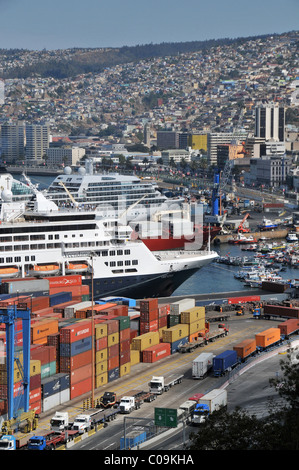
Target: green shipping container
{"points": [[124, 322], [173, 320], [48, 369]]}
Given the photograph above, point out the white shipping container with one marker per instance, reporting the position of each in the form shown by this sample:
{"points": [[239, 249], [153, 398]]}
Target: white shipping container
{"points": [[31, 285], [181, 305], [55, 400], [71, 310], [215, 399], [201, 365]]}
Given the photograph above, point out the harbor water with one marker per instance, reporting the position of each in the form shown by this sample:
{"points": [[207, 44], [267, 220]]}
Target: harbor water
{"points": [[213, 278]]}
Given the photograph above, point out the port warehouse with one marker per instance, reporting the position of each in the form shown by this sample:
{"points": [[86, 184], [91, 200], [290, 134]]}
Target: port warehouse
{"points": [[126, 332]]}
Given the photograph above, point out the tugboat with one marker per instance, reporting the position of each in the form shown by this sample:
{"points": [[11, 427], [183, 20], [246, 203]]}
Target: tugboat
{"points": [[267, 225]]}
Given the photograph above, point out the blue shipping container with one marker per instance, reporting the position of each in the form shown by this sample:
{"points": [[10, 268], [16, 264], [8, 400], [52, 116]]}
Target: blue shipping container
{"points": [[77, 347], [60, 298], [54, 384], [133, 439], [224, 361], [180, 342], [113, 374]]}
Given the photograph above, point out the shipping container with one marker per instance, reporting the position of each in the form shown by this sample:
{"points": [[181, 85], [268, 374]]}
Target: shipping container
{"points": [[124, 369], [244, 299], [77, 347], [170, 335], [147, 305], [174, 347], [113, 374], [135, 357], [133, 439], [80, 388], [281, 311], [101, 379], [224, 362], [69, 363], [193, 314], [176, 308], [74, 332], [82, 373], [288, 327], [155, 353], [201, 365], [196, 326], [267, 338], [60, 281], [56, 383], [246, 348], [24, 286], [145, 341], [101, 355], [101, 367], [147, 327]]}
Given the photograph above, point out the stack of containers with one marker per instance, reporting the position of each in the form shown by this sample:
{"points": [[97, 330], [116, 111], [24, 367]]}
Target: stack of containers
{"points": [[176, 308], [176, 335], [112, 349], [195, 319], [145, 341], [54, 340], [75, 356], [148, 315], [55, 391], [34, 384], [101, 354], [41, 329], [47, 357], [124, 345], [155, 353], [163, 311]]}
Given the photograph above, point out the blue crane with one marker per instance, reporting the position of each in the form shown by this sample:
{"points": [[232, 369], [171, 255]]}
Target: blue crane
{"points": [[8, 316]]}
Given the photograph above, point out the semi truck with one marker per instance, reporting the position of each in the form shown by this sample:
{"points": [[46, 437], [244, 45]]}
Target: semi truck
{"points": [[50, 440], [87, 420], [128, 402], [212, 401], [207, 337], [224, 362], [201, 365], [60, 421], [160, 384], [7, 442]]}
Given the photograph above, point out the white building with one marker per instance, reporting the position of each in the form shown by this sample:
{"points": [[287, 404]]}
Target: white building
{"points": [[177, 155], [64, 155]]}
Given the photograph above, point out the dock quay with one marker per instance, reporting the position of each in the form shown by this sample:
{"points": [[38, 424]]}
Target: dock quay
{"points": [[275, 234]]}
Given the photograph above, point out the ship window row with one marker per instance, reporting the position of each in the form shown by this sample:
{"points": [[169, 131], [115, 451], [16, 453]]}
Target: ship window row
{"points": [[16, 259], [41, 228], [35, 246]]}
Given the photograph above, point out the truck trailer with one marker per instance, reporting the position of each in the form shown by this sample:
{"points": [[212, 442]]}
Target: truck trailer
{"points": [[213, 401], [201, 365], [160, 384], [224, 362]]}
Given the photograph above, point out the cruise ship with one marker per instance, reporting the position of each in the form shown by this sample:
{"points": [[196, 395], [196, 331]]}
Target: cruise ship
{"points": [[47, 240], [114, 194]]}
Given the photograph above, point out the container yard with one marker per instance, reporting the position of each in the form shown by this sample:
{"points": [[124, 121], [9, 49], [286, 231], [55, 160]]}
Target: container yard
{"points": [[77, 346]]}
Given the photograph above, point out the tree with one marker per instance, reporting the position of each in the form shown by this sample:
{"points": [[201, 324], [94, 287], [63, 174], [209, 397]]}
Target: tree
{"points": [[240, 431]]}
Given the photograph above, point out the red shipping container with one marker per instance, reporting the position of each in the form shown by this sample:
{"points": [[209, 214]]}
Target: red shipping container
{"points": [[287, 327], [241, 300], [82, 373], [147, 327], [76, 331], [58, 281], [36, 406], [154, 353], [148, 304], [112, 326], [162, 322], [124, 357], [124, 346], [149, 316], [80, 388], [101, 343], [163, 309], [113, 362], [113, 350], [44, 354], [124, 335], [69, 363], [35, 395]]}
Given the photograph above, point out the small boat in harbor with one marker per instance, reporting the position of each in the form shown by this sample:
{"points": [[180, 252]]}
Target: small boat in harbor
{"points": [[267, 224], [9, 272], [242, 239]]}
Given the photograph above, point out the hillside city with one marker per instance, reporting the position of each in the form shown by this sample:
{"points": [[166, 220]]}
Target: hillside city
{"points": [[127, 108]]}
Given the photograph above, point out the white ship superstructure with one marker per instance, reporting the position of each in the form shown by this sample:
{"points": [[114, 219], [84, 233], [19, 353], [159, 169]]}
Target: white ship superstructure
{"points": [[113, 193], [50, 241]]}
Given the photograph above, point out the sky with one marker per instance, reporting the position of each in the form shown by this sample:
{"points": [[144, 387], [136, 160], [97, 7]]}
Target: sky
{"points": [[62, 24]]}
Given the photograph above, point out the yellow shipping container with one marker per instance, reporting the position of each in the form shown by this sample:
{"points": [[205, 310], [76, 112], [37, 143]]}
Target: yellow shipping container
{"points": [[35, 369], [101, 367], [101, 355], [196, 326], [101, 379], [113, 339], [134, 357], [145, 341], [193, 314], [101, 330], [125, 369], [170, 335]]}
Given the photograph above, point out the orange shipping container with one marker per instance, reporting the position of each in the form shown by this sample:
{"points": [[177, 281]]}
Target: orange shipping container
{"points": [[43, 328], [82, 373], [113, 362], [267, 337], [80, 388], [245, 348]]}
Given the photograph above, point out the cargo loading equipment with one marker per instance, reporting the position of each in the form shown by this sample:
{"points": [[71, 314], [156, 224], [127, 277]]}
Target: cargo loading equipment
{"points": [[204, 340]]}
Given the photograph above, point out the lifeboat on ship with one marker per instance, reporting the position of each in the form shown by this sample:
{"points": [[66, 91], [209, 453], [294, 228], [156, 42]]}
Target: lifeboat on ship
{"points": [[9, 272], [76, 268], [44, 269]]}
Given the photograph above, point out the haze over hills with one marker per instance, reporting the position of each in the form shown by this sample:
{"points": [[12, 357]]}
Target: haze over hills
{"points": [[63, 63]]}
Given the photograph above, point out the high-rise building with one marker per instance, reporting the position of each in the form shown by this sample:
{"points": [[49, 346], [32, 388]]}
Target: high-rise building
{"points": [[167, 140], [37, 142], [270, 122], [12, 142]]}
